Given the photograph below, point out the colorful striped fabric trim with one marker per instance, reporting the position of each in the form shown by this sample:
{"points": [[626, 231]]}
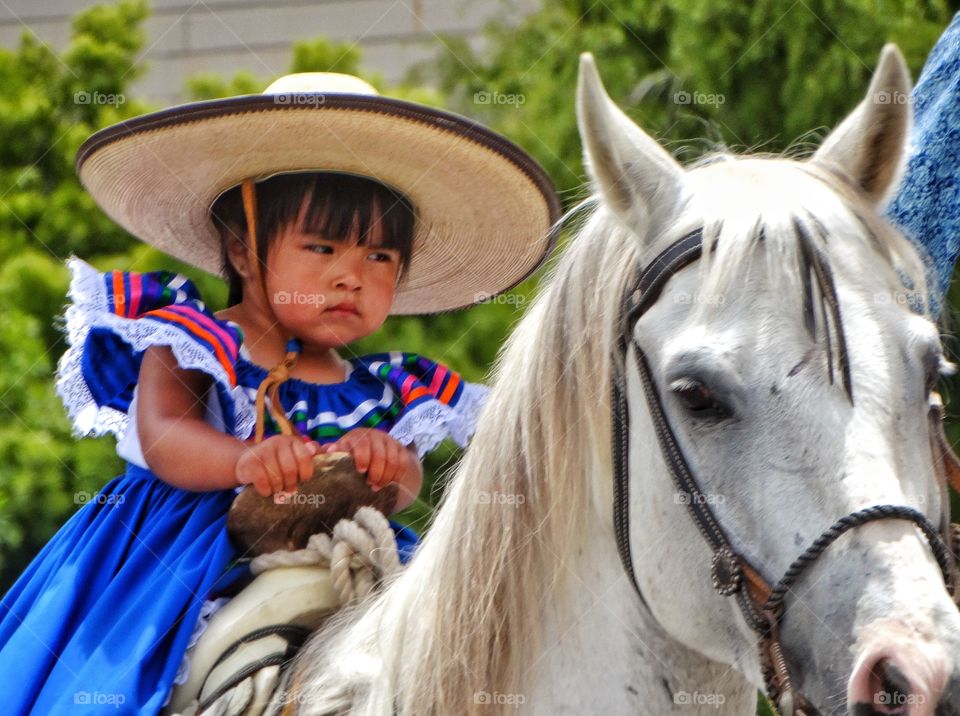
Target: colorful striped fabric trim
{"points": [[203, 331], [427, 400], [328, 432], [129, 294], [428, 380], [166, 297]]}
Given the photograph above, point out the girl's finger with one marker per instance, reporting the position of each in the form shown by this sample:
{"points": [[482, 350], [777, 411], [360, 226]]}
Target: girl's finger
{"points": [[361, 454], [274, 473], [396, 463], [287, 461], [262, 484], [304, 454], [378, 461], [331, 447]]}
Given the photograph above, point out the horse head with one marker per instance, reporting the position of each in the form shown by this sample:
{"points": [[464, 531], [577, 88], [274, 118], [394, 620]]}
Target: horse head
{"points": [[795, 365]]}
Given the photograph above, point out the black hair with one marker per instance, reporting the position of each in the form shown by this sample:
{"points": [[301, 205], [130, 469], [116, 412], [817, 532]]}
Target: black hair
{"points": [[334, 202]]}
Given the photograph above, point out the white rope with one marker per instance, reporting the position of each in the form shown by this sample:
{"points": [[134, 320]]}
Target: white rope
{"points": [[361, 552]]}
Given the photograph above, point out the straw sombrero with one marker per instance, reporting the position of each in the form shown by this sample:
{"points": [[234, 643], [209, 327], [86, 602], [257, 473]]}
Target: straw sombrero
{"points": [[485, 208]]}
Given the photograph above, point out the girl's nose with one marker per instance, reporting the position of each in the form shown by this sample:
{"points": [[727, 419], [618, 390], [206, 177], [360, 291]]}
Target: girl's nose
{"points": [[347, 272], [347, 281]]}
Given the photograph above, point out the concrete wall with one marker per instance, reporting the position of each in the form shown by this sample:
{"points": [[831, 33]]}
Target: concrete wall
{"points": [[223, 36]]}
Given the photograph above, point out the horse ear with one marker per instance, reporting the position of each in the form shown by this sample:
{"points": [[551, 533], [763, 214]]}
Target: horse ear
{"points": [[870, 145], [638, 179]]}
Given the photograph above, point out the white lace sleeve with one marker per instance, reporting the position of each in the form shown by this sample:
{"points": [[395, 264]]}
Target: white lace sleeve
{"points": [[89, 310], [429, 423]]}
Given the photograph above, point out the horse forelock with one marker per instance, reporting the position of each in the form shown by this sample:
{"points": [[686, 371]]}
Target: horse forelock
{"points": [[782, 209]]}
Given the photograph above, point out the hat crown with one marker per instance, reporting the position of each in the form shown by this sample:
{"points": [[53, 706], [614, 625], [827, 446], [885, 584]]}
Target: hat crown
{"points": [[321, 83]]}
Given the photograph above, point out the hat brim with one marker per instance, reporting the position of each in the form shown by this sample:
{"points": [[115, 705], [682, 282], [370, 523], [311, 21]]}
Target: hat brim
{"points": [[486, 210]]}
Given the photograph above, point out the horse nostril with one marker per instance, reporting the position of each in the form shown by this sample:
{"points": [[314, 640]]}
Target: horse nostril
{"points": [[880, 687], [890, 688]]}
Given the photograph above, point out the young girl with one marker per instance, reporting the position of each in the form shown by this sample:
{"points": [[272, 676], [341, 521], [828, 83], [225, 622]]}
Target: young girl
{"points": [[327, 208]]}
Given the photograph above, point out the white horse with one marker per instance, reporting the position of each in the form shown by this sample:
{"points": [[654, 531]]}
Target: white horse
{"points": [[517, 599]]}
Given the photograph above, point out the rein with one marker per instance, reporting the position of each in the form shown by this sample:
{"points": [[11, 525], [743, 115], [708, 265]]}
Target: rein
{"points": [[763, 606]]}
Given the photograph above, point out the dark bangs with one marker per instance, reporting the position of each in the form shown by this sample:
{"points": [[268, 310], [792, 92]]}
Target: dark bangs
{"points": [[335, 203]]}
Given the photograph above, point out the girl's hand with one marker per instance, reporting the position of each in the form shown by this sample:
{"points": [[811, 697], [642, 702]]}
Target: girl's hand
{"points": [[381, 457], [277, 464]]}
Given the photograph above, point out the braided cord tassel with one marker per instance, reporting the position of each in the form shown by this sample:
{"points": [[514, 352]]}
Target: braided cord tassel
{"points": [[281, 372]]}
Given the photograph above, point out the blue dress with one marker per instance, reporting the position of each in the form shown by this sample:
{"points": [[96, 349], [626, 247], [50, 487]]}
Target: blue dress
{"points": [[927, 205], [101, 619]]}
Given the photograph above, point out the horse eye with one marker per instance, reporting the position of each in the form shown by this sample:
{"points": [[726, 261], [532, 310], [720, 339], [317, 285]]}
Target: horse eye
{"points": [[698, 399]]}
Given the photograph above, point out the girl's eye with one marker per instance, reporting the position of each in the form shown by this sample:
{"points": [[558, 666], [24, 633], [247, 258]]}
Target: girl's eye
{"points": [[381, 256], [320, 248]]}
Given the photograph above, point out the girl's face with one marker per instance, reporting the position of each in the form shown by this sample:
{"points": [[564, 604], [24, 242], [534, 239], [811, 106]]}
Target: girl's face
{"points": [[329, 293]]}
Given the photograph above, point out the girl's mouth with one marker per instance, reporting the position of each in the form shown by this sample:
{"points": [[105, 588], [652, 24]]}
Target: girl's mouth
{"points": [[345, 309]]}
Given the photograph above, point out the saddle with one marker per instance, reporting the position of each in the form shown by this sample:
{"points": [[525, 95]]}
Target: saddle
{"points": [[313, 549]]}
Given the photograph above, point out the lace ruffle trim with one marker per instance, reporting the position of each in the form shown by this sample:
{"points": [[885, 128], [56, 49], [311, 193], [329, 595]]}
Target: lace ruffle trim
{"points": [[89, 310], [427, 425]]}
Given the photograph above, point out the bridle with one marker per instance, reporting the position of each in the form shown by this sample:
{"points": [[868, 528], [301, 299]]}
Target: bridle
{"points": [[762, 605]]}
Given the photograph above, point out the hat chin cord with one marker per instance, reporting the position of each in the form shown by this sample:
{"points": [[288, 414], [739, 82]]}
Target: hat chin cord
{"points": [[279, 374]]}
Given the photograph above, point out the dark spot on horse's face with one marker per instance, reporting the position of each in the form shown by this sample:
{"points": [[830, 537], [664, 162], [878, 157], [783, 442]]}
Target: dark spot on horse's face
{"points": [[774, 390], [803, 362], [666, 687]]}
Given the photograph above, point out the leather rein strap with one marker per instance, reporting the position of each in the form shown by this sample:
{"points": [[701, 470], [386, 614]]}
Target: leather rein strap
{"points": [[762, 605]]}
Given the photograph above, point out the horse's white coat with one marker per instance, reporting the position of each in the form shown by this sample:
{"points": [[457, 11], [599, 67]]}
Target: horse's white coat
{"points": [[521, 603]]}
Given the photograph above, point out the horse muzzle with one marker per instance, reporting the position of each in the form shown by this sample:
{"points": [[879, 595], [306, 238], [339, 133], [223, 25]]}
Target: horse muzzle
{"points": [[902, 673]]}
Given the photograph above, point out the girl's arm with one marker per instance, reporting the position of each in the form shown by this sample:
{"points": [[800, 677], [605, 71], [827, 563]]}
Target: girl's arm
{"points": [[179, 446], [182, 449]]}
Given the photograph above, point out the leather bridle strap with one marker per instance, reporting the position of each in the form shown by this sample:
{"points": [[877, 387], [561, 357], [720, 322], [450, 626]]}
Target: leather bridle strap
{"points": [[648, 288], [761, 605], [729, 568]]}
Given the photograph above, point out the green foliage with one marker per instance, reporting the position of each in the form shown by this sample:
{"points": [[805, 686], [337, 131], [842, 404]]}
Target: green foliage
{"points": [[697, 74], [49, 105], [320, 55], [763, 706], [212, 86]]}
